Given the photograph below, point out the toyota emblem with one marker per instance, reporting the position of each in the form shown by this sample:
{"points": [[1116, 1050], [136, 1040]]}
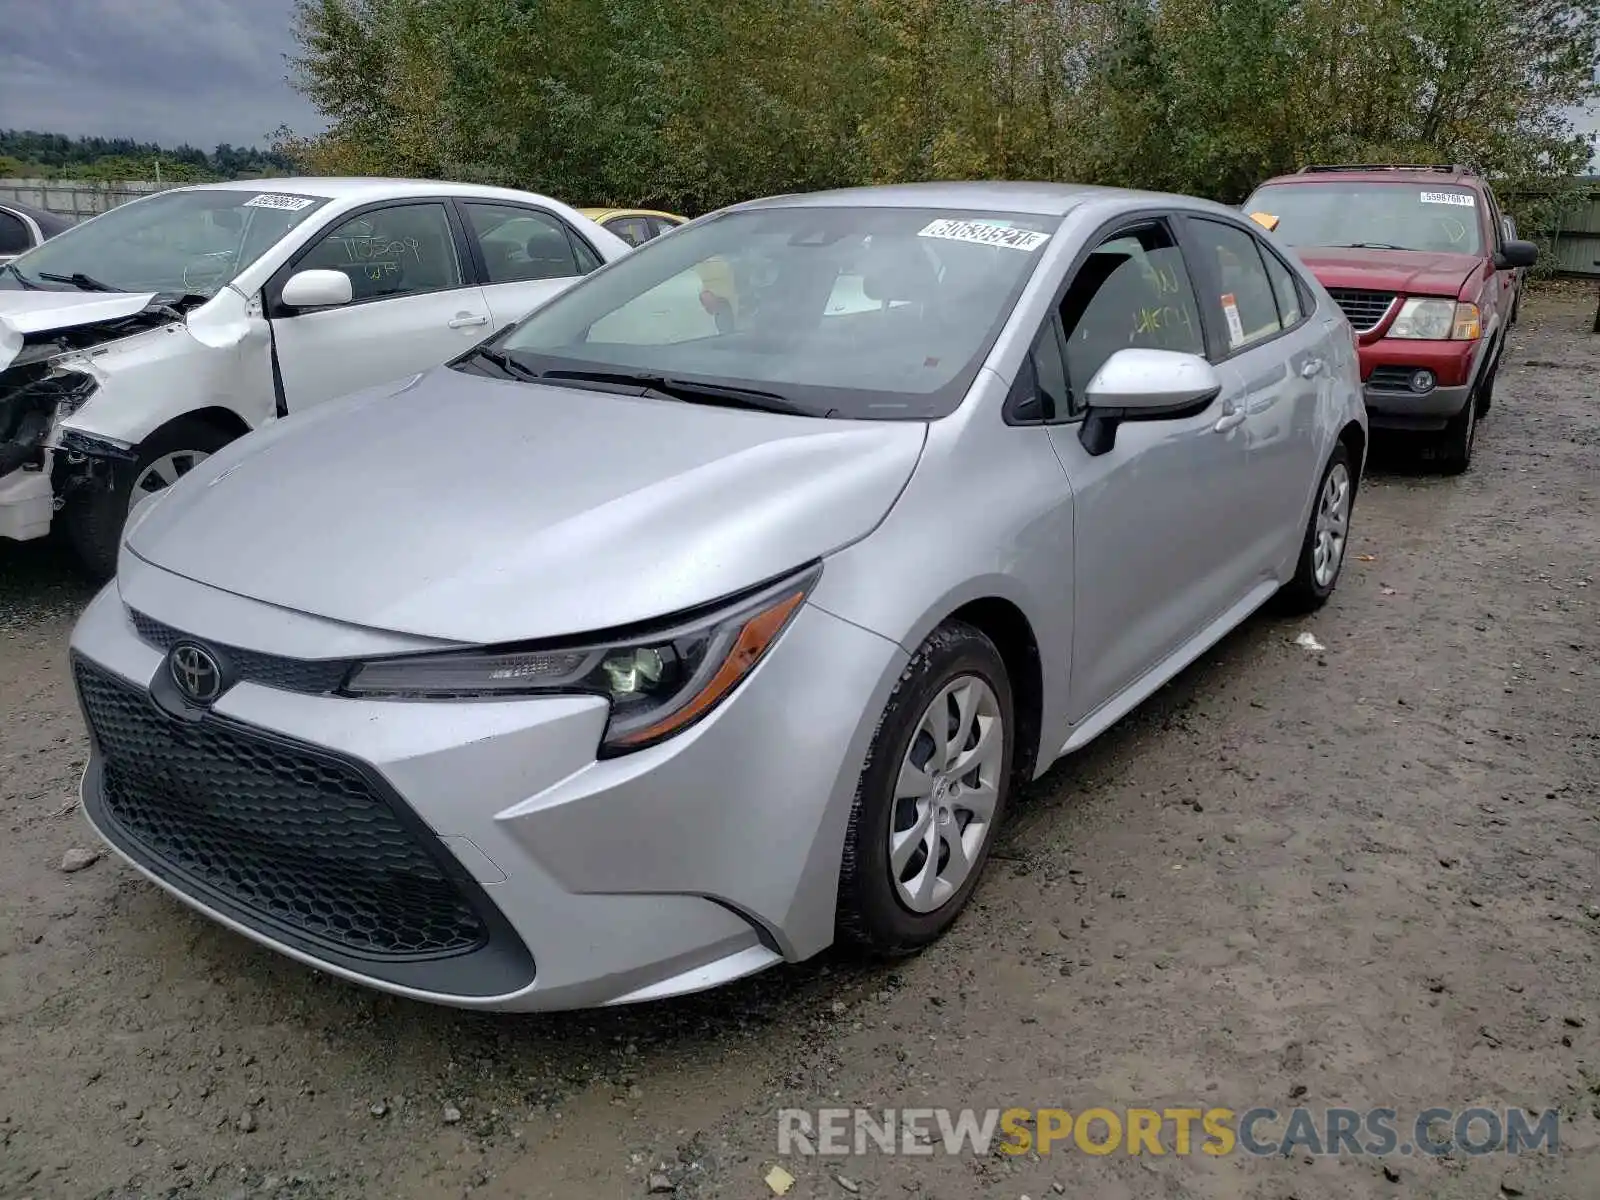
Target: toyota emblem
{"points": [[196, 672]]}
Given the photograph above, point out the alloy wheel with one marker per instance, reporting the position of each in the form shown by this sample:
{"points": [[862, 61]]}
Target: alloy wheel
{"points": [[945, 795], [1333, 525], [163, 472]]}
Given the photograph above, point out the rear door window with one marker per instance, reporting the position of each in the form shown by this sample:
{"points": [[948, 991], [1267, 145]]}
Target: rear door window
{"points": [[1244, 302], [520, 244], [14, 234]]}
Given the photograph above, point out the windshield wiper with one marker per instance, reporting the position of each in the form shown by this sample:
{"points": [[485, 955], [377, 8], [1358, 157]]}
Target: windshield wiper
{"points": [[84, 283], [21, 278], [1369, 246], [689, 391], [503, 360]]}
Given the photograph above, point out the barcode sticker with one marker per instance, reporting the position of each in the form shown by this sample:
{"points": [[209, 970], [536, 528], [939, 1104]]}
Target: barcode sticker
{"points": [[1230, 310], [280, 200], [985, 234], [1459, 199]]}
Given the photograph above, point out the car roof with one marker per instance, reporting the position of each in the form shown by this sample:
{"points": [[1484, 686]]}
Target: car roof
{"points": [[1454, 176], [49, 223], [359, 188], [601, 214], [1037, 199]]}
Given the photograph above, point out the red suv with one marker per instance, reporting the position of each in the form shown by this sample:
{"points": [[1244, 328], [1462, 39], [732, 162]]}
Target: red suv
{"points": [[1418, 259]]}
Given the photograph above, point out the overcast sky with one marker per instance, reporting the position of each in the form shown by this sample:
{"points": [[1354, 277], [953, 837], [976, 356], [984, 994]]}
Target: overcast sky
{"points": [[167, 71]]}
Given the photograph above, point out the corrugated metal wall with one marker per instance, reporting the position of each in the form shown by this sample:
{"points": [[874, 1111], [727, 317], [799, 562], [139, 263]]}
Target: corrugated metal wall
{"points": [[1575, 242], [76, 199]]}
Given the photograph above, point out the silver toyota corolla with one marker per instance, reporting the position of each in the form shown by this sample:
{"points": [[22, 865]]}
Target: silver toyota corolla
{"points": [[717, 609]]}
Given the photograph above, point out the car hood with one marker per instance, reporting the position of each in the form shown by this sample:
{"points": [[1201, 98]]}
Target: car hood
{"points": [[1405, 272], [23, 313], [474, 510]]}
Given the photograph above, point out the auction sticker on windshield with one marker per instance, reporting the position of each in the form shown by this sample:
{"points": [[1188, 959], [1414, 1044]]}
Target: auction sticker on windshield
{"points": [[984, 234], [1460, 199], [280, 200]]}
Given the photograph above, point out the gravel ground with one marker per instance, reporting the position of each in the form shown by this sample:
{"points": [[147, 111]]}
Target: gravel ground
{"points": [[1362, 876]]}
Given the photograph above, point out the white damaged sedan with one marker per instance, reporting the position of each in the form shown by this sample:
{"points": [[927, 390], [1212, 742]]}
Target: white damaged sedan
{"points": [[137, 344]]}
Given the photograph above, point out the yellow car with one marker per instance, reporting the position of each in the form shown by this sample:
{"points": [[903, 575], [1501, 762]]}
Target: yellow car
{"points": [[636, 226]]}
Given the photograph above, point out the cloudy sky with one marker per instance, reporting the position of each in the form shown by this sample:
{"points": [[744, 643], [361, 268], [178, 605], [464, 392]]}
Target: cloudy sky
{"points": [[168, 71]]}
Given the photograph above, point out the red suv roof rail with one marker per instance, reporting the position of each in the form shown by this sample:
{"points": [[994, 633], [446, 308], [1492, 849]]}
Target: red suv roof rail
{"points": [[1447, 168]]}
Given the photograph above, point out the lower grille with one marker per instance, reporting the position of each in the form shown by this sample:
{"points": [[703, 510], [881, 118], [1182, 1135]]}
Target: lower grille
{"points": [[1392, 379], [1364, 309], [301, 842]]}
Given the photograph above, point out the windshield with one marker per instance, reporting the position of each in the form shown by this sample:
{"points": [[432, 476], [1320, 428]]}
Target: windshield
{"points": [[190, 242], [1399, 216], [882, 313]]}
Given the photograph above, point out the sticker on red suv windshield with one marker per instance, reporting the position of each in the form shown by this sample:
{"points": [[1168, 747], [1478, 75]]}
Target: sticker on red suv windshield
{"points": [[1459, 199]]}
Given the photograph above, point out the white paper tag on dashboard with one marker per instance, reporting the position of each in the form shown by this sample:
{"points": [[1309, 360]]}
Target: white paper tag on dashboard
{"points": [[279, 200], [984, 233]]}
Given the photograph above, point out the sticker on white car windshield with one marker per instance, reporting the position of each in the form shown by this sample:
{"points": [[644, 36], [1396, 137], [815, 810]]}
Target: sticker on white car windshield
{"points": [[280, 200], [984, 233], [1459, 199]]}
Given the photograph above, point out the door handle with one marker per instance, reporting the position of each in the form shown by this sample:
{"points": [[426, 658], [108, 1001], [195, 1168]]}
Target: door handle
{"points": [[467, 321], [1311, 367], [1231, 418]]}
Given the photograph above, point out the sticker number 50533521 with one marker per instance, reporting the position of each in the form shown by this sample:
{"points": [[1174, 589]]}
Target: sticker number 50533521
{"points": [[1459, 199], [279, 200]]}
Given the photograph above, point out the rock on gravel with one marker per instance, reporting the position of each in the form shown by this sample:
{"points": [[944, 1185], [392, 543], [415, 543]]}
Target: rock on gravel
{"points": [[78, 858]]}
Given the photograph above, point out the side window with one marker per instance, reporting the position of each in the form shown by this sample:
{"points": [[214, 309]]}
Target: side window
{"points": [[588, 260], [1245, 299], [14, 236], [402, 250], [1132, 290], [1285, 289], [633, 230], [660, 225], [520, 244]]}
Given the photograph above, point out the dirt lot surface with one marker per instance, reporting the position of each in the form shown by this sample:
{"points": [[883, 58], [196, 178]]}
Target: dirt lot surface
{"points": [[1363, 876]]}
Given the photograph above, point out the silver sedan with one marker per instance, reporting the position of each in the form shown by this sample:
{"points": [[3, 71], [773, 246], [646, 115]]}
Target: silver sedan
{"points": [[719, 608]]}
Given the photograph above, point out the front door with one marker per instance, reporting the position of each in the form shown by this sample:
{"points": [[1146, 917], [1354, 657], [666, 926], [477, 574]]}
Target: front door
{"points": [[1155, 558], [411, 308]]}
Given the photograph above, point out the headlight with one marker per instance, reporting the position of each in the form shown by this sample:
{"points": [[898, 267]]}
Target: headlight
{"points": [[658, 684], [1437, 321]]}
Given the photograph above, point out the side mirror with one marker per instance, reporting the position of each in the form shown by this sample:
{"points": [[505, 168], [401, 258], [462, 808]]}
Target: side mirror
{"points": [[1515, 255], [317, 289], [1145, 385]]}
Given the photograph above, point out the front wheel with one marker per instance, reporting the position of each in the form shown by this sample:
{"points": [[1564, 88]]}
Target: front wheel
{"points": [[931, 797], [1322, 549], [94, 516]]}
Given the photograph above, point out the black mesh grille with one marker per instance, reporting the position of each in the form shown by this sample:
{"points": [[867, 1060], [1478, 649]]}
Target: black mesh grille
{"points": [[269, 670], [299, 839], [1365, 309]]}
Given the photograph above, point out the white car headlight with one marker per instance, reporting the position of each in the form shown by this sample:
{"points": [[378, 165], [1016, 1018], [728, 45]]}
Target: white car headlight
{"points": [[1423, 319], [657, 683]]}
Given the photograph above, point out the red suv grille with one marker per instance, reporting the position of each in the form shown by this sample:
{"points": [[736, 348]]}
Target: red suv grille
{"points": [[1365, 309]]}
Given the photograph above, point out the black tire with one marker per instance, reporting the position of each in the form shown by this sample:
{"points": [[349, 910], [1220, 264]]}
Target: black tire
{"points": [[1453, 451], [870, 914], [94, 515], [1303, 594]]}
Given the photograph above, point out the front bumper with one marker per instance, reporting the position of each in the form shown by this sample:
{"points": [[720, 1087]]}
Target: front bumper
{"points": [[1391, 405], [694, 862]]}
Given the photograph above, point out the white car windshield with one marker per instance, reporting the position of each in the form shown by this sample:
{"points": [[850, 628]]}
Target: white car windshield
{"points": [[183, 242], [882, 313]]}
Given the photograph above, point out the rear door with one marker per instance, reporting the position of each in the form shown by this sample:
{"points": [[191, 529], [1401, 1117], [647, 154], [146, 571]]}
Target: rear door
{"points": [[1156, 557], [1276, 359], [413, 307], [524, 255]]}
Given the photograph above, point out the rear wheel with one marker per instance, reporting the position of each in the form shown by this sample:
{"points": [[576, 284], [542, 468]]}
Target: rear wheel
{"points": [[933, 792], [93, 517]]}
